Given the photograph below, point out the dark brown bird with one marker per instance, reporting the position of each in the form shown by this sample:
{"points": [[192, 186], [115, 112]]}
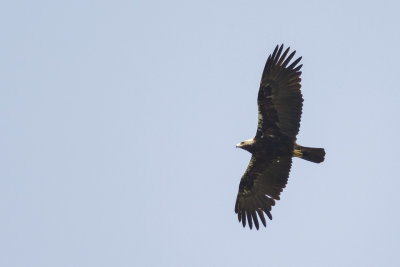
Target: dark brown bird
{"points": [[280, 105]]}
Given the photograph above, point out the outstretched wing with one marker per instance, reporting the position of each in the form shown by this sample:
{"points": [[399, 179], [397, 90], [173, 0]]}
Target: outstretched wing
{"points": [[280, 104], [259, 187], [279, 98]]}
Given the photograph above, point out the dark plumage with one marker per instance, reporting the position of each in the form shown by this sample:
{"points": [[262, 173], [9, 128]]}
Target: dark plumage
{"points": [[280, 105]]}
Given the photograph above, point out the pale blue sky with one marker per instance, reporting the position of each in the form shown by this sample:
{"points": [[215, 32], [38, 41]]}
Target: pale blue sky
{"points": [[120, 119]]}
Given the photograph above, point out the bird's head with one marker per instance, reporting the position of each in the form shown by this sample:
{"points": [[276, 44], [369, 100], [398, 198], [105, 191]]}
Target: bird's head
{"points": [[246, 145]]}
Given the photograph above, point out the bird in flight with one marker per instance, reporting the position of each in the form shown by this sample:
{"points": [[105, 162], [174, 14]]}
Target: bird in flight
{"points": [[279, 111]]}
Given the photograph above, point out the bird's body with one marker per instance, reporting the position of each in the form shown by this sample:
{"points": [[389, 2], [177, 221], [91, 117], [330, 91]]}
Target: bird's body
{"points": [[279, 111]]}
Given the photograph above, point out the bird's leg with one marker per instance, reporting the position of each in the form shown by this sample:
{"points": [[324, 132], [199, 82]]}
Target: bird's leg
{"points": [[297, 153]]}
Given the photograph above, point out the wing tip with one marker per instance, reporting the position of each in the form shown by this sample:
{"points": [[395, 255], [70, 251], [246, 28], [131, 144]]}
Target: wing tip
{"points": [[250, 218]]}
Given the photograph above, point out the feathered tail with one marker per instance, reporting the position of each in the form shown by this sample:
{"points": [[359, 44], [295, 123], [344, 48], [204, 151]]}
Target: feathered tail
{"points": [[316, 155]]}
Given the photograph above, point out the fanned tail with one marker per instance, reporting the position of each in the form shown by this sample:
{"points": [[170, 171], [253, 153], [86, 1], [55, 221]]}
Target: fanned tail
{"points": [[316, 155]]}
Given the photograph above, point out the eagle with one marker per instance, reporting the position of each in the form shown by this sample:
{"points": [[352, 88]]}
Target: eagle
{"points": [[280, 105]]}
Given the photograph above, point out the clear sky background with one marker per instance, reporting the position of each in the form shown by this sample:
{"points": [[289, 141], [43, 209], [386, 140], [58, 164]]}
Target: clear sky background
{"points": [[119, 121]]}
